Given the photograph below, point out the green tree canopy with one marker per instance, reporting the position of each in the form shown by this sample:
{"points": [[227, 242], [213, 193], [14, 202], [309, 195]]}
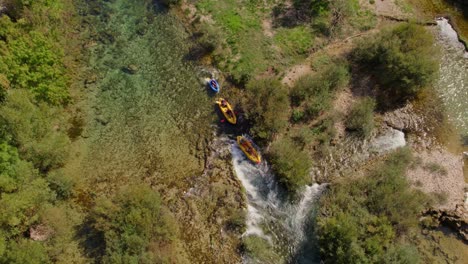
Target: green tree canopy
{"points": [[360, 219], [403, 58], [136, 228], [267, 106], [290, 163]]}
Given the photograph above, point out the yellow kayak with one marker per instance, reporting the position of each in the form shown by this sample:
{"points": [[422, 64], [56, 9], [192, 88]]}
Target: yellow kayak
{"points": [[247, 147], [226, 108]]}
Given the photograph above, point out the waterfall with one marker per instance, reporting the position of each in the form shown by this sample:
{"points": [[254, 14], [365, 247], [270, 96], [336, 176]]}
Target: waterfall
{"points": [[269, 214]]}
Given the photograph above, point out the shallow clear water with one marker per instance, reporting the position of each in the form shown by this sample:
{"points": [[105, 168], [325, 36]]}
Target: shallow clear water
{"points": [[149, 110], [452, 84]]}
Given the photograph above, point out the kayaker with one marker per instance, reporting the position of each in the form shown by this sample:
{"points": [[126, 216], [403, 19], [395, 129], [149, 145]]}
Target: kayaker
{"points": [[230, 113], [223, 103], [213, 83]]}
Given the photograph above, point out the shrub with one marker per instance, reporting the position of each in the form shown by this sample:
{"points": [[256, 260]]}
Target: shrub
{"points": [[315, 92], [360, 219], [31, 128], [32, 61], [267, 107], [136, 227], [290, 163], [402, 58], [25, 251], [328, 16], [260, 249], [361, 117]]}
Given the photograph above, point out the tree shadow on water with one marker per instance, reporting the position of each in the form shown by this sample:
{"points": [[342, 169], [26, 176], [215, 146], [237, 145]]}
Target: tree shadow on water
{"points": [[91, 240]]}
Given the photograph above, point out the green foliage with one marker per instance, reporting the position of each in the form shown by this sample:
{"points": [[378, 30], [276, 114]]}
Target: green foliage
{"points": [[25, 251], [135, 227], [14, 172], [18, 210], [361, 118], [290, 163], [31, 128], [315, 92], [329, 16], [260, 249], [294, 41], [404, 254], [403, 58], [361, 218], [32, 61], [62, 184], [267, 107]]}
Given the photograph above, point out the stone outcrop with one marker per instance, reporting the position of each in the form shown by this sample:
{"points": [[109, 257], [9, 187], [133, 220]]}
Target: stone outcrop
{"points": [[404, 119], [40, 232], [456, 220]]}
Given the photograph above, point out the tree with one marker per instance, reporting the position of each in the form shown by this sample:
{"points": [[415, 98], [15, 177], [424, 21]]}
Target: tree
{"points": [[360, 219], [30, 127], [25, 252], [31, 61], [403, 58], [267, 107], [290, 163], [136, 228]]}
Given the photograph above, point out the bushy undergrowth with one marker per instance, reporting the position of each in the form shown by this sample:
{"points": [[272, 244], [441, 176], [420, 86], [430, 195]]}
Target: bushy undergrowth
{"points": [[33, 141], [290, 163], [361, 220], [260, 249], [266, 105], [361, 118], [31, 60], [136, 228], [403, 58], [313, 94]]}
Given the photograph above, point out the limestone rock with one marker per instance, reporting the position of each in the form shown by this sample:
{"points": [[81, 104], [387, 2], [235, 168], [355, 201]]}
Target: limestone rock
{"points": [[456, 220], [40, 232]]}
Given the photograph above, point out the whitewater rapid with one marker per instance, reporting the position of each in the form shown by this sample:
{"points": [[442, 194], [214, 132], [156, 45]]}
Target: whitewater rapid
{"points": [[270, 214]]}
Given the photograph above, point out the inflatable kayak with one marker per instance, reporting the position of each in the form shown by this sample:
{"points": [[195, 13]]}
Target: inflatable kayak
{"points": [[213, 85], [226, 108], [247, 147]]}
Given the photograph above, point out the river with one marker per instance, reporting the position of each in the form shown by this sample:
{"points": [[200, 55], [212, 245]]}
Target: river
{"points": [[150, 118], [149, 111], [452, 85]]}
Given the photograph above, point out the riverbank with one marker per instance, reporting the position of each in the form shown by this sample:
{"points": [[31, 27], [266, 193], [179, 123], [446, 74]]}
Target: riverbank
{"points": [[334, 151]]}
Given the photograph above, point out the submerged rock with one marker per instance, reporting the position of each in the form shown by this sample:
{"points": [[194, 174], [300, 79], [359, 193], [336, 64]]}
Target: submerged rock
{"points": [[130, 69]]}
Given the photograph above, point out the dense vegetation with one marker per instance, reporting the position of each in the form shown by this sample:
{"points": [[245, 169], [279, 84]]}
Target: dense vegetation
{"points": [[136, 228], [44, 217], [361, 117], [363, 221], [403, 59], [290, 163], [266, 105], [312, 94], [33, 139]]}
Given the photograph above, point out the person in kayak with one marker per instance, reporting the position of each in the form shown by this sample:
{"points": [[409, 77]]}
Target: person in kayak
{"points": [[223, 103], [248, 147], [213, 83]]}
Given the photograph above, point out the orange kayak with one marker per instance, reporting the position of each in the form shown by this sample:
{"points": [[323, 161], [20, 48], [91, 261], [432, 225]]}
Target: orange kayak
{"points": [[226, 108], [247, 147]]}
